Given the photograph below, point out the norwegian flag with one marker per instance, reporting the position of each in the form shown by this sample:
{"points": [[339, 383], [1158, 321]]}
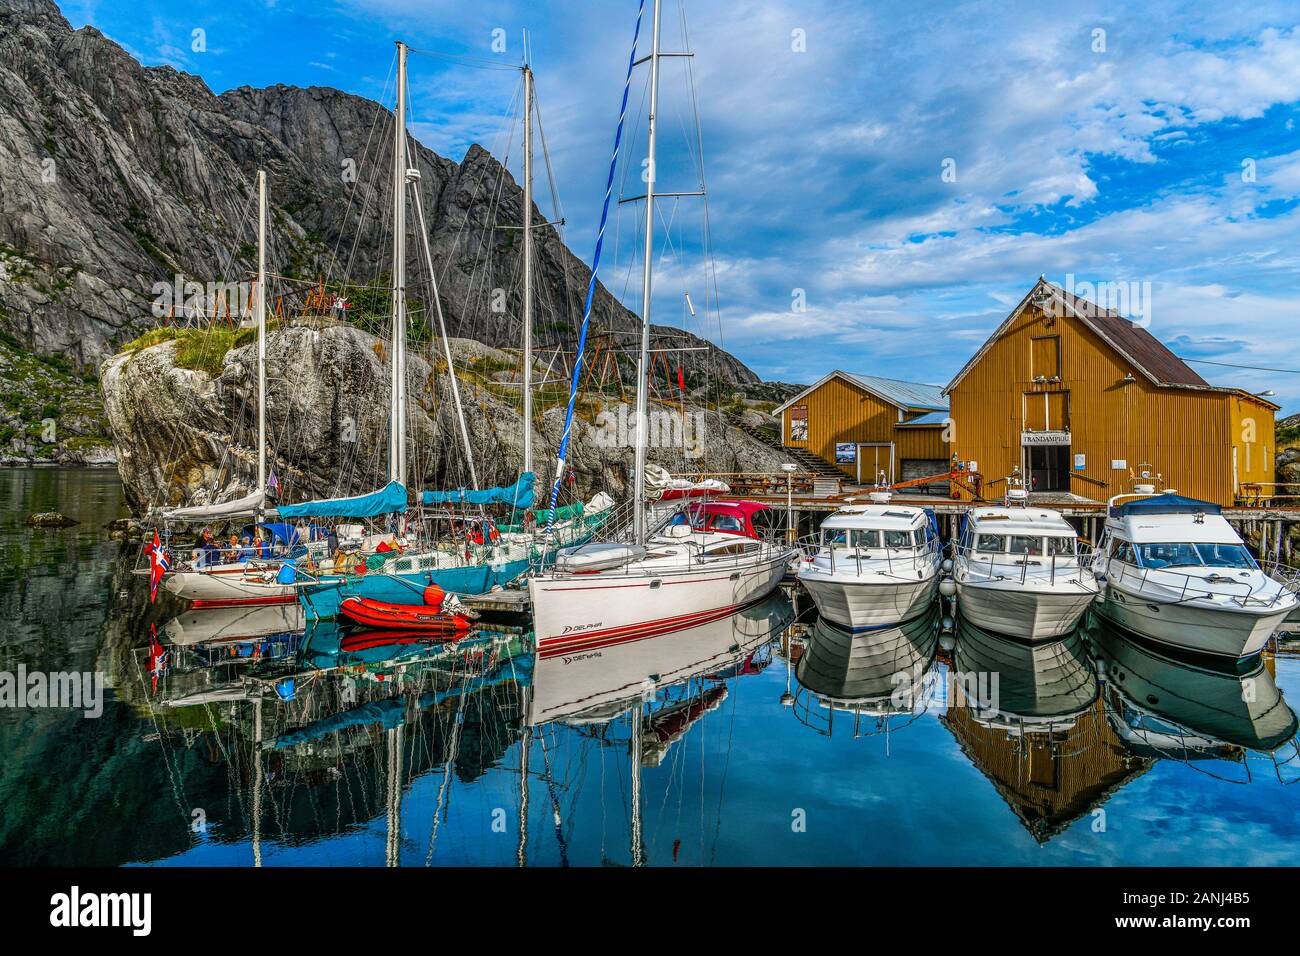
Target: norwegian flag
{"points": [[159, 657], [158, 565]]}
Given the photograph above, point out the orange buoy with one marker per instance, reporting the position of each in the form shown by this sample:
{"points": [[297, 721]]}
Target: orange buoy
{"points": [[433, 596]]}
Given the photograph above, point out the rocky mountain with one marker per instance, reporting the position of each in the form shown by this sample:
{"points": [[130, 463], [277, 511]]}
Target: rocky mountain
{"points": [[115, 176], [186, 430]]}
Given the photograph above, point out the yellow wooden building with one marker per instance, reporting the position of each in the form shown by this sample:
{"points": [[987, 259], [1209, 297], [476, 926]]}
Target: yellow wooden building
{"points": [[866, 425], [1078, 397]]}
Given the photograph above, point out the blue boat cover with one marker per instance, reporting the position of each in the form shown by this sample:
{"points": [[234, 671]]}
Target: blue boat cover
{"points": [[518, 495], [387, 500], [1166, 504]]}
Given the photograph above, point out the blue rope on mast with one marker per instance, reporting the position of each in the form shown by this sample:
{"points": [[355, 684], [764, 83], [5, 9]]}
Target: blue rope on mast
{"points": [[591, 285]]}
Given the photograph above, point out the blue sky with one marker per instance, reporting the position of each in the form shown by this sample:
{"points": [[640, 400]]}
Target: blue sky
{"points": [[1164, 151]]}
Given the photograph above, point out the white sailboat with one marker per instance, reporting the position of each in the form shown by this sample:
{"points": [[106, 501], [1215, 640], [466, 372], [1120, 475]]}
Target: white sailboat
{"points": [[236, 582], [653, 579]]}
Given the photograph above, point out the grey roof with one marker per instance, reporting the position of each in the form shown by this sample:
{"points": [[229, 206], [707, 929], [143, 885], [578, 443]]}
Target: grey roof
{"points": [[904, 394], [929, 418]]}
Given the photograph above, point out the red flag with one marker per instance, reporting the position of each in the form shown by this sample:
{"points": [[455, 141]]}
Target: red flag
{"points": [[681, 379], [157, 657], [158, 565]]}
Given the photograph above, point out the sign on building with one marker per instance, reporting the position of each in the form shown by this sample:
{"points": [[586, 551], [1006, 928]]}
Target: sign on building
{"points": [[1030, 439], [846, 453]]}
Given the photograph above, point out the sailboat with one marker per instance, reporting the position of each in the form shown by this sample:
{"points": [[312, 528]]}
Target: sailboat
{"points": [[236, 582], [460, 570], [662, 576]]}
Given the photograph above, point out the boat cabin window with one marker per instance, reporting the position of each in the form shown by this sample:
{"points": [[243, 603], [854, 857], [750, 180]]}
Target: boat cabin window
{"points": [[1226, 556], [1023, 544], [898, 539], [1124, 552], [1060, 546], [729, 523], [990, 542], [739, 547], [1172, 555], [1184, 554]]}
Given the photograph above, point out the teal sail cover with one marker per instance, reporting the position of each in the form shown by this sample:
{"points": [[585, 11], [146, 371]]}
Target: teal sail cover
{"points": [[518, 495], [387, 500]]}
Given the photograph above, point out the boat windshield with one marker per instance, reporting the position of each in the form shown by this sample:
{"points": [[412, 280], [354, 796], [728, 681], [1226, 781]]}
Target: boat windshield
{"points": [[1185, 554], [866, 538]]}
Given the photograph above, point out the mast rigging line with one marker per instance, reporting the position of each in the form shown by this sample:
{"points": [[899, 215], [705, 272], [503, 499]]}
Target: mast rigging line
{"points": [[591, 284]]}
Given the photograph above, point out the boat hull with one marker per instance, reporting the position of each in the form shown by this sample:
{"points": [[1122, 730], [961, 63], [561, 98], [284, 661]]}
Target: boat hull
{"points": [[1021, 612], [573, 613], [1220, 632], [227, 586], [857, 604]]}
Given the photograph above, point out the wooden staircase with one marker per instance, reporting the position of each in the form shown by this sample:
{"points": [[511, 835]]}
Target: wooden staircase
{"points": [[806, 460]]}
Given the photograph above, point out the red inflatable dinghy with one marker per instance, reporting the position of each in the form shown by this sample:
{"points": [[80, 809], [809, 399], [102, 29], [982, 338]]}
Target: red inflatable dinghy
{"points": [[403, 617]]}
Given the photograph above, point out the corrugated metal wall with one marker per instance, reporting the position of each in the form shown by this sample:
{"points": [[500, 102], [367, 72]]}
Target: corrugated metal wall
{"points": [[1186, 435], [841, 412]]}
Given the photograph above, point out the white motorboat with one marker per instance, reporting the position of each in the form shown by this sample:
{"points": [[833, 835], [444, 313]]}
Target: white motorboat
{"points": [[872, 565], [1022, 572], [1164, 706], [1176, 572]]}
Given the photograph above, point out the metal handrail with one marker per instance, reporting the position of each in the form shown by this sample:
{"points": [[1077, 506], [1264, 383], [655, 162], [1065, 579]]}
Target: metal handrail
{"points": [[1289, 583], [915, 558], [1079, 561]]}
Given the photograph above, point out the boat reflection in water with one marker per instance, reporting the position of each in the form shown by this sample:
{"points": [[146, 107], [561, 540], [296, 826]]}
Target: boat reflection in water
{"points": [[645, 695], [870, 675], [1035, 727], [1192, 708]]}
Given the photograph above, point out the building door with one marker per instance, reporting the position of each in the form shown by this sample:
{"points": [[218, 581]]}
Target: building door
{"points": [[873, 458], [1049, 467]]}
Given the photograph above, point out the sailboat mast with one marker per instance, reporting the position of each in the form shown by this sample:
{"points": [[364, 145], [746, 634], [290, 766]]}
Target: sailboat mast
{"points": [[397, 425], [528, 269], [643, 359], [261, 333]]}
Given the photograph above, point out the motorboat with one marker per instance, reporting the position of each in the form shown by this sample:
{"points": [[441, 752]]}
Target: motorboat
{"points": [[872, 565], [1022, 572], [878, 673], [1023, 688], [1164, 705], [1176, 572]]}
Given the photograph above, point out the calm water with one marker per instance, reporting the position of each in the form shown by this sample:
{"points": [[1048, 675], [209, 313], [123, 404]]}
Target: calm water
{"points": [[768, 738]]}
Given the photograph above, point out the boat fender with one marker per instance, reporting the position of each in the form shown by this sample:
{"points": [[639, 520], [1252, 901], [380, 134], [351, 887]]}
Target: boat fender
{"points": [[434, 595]]}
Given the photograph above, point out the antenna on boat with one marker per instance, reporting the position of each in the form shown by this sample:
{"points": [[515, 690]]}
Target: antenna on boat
{"points": [[642, 363]]}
